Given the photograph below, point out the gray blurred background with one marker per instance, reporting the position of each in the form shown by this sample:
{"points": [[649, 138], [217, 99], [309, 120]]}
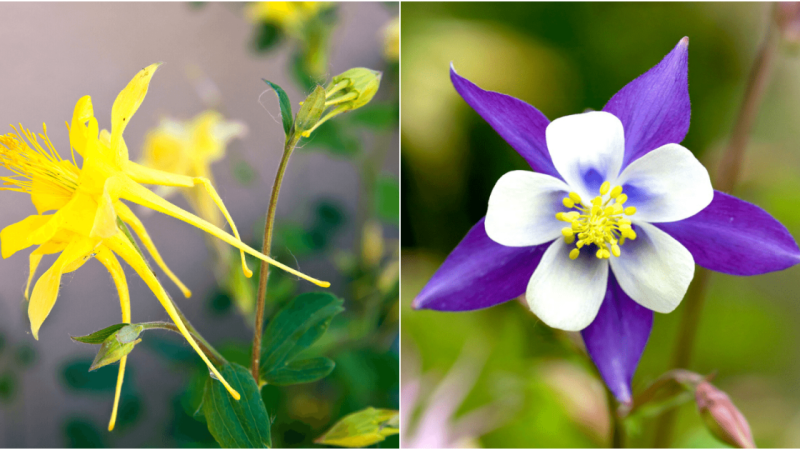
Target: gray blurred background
{"points": [[56, 53]]}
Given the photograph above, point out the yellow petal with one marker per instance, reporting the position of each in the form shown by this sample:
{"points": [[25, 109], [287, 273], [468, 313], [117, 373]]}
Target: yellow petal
{"points": [[46, 289], [143, 196], [105, 220], [136, 225], [128, 253], [14, 237], [125, 106], [120, 378], [48, 248], [78, 131], [107, 258], [48, 196]]}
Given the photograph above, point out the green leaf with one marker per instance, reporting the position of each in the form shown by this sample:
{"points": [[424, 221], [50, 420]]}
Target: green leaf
{"points": [[362, 428], [99, 336], [303, 371], [295, 328], [286, 106], [236, 424], [387, 199]]}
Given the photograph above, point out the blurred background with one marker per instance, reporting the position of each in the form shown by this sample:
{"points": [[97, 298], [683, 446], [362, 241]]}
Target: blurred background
{"points": [[501, 378], [337, 216]]}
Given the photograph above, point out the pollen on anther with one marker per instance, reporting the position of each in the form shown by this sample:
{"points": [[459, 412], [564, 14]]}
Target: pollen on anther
{"points": [[575, 197], [605, 187], [574, 253], [616, 191]]}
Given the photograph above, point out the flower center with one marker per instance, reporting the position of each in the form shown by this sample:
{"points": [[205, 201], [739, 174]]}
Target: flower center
{"points": [[34, 165], [602, 222]]}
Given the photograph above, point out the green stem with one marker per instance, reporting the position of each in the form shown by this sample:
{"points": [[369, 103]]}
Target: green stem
{"points": [[617, 426], [726, 179], [263, 276]]}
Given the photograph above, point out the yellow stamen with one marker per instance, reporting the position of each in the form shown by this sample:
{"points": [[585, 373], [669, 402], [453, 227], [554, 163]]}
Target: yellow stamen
{"points": [[601, 222]]}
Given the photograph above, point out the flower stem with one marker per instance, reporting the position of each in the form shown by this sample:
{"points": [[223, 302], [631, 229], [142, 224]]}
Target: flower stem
{"points": [[617, 425], [263, 276], [726, 178]]}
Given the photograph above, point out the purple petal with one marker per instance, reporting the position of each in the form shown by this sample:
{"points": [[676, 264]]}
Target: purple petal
{"points": [[735, 237], [654, 108], [519, 123], [617, 337], [480, 273]]}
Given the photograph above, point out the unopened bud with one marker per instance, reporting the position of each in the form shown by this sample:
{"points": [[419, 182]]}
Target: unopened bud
{"points": [[721, 417], [116, 346], [347, 91]]}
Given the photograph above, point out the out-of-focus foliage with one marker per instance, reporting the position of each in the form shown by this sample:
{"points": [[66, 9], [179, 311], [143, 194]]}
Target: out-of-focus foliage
{"points": [[563, 59]]}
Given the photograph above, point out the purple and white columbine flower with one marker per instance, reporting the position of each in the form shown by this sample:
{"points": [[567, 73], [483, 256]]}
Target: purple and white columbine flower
{"points": [[610, 227]]}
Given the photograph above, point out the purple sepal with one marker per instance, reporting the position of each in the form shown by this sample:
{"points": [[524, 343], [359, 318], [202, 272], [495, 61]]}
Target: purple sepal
{"points": [[654, 108], [735, 237], [616, 339], [519, 123], [479, 273]]}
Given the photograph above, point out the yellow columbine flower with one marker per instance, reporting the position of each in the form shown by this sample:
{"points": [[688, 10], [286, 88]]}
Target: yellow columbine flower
{"points": [[88, 209], [189, 149], [288, 16]]}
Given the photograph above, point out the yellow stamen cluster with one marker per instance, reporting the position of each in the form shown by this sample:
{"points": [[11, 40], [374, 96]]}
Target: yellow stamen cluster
{"points": [[34, 164], [601, 222]]}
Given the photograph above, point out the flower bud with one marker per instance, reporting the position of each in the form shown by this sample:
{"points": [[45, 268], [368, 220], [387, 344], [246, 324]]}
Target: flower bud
{"points": [[721, 417], [347, 91], [116, 346], [353, 88]]}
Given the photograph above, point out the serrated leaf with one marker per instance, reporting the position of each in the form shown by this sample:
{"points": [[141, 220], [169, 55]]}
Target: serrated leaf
{"points": [[99, 336], [236, 424], [303, 371], [285, 104], [387, 199], [362, 428], [295, 328]]}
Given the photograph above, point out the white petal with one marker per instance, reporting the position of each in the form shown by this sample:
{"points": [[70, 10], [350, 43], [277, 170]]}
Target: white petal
{"points": [[566, 293], [522, 209], [654, 270], [666, 185], [587, 149]]}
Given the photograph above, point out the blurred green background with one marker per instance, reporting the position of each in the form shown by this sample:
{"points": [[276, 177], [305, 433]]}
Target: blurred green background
{"points": [[564, 58]]}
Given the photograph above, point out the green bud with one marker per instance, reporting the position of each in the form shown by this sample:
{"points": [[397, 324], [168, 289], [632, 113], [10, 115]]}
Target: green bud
{"points": [[354, 88], [347, 91], [117, 345]]}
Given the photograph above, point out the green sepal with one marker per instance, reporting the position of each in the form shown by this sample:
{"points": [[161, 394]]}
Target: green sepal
{"points": [[285, 104], [117, 345], [98, 336], [236, 424], [311, 111]]}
